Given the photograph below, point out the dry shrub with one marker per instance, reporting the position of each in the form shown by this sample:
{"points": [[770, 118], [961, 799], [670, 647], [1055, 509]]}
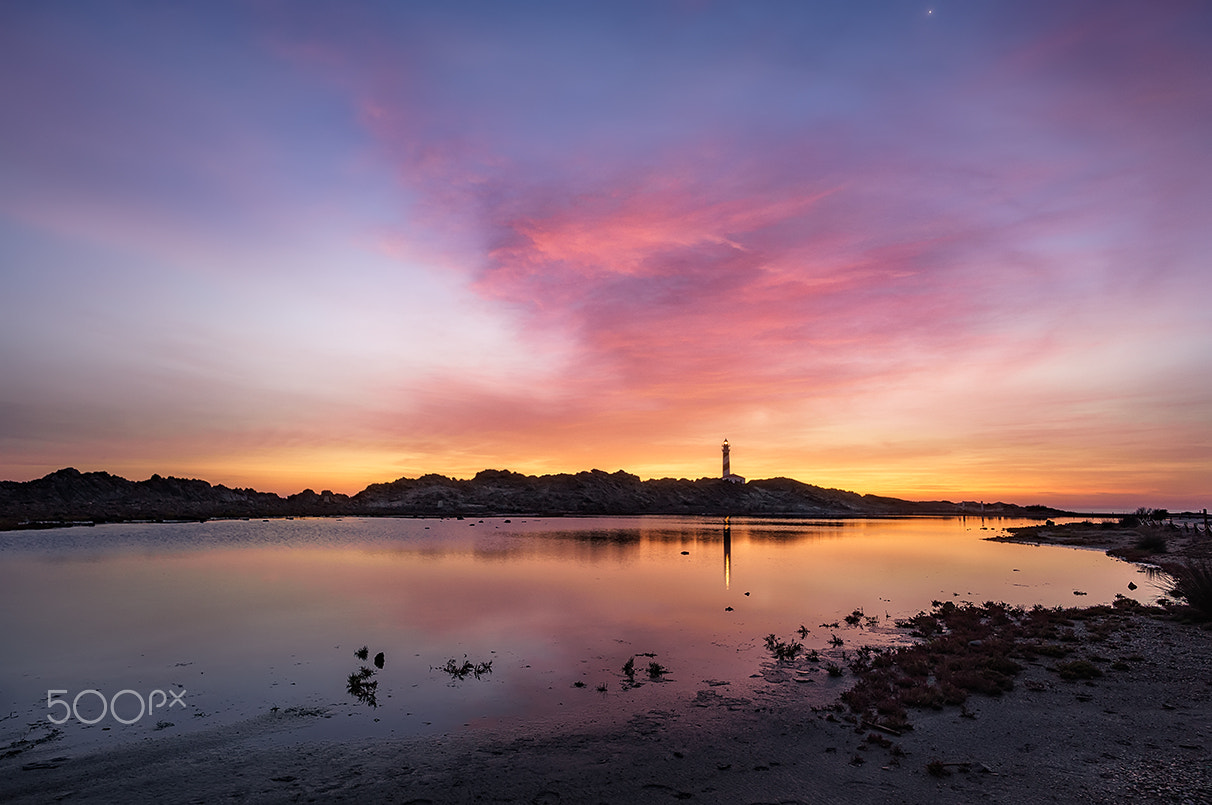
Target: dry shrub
{"points": [[1193, 584]]}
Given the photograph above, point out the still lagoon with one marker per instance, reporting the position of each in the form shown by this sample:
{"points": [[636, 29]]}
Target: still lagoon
{"points": [[225, 621]]}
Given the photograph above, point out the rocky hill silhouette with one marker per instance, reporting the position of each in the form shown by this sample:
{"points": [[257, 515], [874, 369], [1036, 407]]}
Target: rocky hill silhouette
{"points": [[69, 496]]}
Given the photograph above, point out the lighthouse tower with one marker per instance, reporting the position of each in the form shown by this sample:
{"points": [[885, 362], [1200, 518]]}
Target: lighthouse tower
{"points": [[728, 476]]}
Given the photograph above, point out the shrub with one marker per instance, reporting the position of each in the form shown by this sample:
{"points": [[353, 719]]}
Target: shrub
{"points": [[1151, 543], [1193, 584]]}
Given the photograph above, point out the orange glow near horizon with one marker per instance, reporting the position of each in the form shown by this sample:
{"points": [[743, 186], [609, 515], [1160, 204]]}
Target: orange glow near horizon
{"points": [[978, 474]]}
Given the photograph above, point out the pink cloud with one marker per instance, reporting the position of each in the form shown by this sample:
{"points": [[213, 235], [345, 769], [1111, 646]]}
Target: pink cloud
{"points": [[837, 235]]}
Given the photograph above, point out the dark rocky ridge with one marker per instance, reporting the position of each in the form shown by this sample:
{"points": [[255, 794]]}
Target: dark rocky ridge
{"points": [[70, 496]]}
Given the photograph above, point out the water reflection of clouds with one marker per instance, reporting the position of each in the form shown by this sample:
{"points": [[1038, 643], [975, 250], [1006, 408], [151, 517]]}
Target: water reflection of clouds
{"points": [[541, 604]]}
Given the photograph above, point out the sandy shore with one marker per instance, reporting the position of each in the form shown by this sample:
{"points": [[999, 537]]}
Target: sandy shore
{"points": [[1140, 731]]}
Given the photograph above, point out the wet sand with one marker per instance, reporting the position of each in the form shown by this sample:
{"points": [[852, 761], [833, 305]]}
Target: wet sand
{"points": [[1141, 731]]}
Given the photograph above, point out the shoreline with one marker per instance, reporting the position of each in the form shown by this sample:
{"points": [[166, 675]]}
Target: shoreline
{"points": [[12, 524], [1139, 729], [1151, 545]]}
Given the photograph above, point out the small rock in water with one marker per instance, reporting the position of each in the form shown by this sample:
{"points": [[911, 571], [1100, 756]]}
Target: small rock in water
{"points": [[1131, 585], [379, 660]]}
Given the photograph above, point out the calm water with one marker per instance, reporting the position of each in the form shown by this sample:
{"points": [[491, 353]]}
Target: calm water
{"points": [[240, 617]]}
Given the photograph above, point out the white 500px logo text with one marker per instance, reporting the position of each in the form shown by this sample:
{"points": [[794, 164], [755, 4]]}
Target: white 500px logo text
{"points": [[146, 707]]}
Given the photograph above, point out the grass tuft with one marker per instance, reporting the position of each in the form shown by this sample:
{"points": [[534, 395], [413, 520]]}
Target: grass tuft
{"points": [[1151, 543], [783, 651], [1193, 584]]}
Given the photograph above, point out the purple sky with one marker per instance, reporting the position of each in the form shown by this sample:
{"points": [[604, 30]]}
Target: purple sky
{"points": [[935, 250]]}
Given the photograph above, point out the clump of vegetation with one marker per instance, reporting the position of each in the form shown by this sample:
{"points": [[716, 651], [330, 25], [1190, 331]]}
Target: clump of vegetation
{"points": [[965, 651], [1151, 543], [466, 668], [1123, 602], [1193, 584], [361, 684], [854, 618], [362, 687], [834, 669], [863, 658], [968, 649], [655, 671], [1153, 515], [783, 651]]}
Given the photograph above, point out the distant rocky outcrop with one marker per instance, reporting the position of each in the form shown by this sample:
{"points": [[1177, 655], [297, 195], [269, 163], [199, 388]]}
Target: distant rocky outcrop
{"points": [[68, 496]]}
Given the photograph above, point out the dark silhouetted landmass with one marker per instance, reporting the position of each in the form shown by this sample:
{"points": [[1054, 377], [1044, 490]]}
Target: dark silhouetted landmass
{"points": [[69, 496]]}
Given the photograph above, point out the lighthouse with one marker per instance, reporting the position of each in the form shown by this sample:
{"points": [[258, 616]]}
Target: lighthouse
{"points": [[728, 476]]}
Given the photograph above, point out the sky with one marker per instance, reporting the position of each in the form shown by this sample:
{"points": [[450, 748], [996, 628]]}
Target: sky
{"points": [[949, 250]]}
